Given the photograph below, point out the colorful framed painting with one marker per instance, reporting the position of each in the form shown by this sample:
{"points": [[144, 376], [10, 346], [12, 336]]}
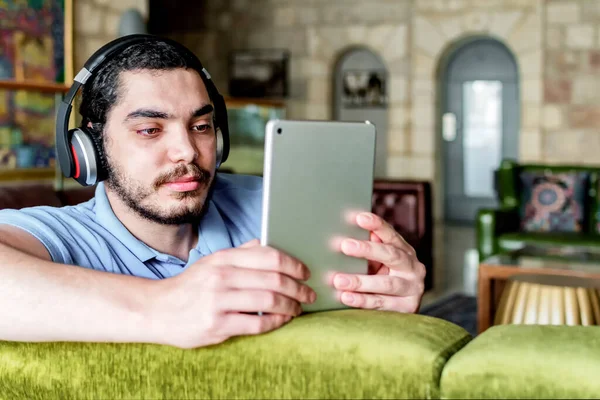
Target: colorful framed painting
{"points": [[36, 62]]}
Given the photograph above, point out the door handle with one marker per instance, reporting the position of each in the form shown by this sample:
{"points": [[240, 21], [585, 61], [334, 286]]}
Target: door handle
{"points": [[449, 127]]}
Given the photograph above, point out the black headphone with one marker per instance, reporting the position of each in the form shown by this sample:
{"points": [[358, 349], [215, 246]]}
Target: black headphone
{"points": [[79, 151]]}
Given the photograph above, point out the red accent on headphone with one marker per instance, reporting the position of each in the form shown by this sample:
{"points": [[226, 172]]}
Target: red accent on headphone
{"points": [[77, 170]]}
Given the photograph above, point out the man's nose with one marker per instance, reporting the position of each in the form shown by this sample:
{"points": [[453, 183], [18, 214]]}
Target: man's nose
{"points": [[181, 146]]}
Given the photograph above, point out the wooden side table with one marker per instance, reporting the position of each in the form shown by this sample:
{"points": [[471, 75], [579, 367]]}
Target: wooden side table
{"points": [[496, 270]]}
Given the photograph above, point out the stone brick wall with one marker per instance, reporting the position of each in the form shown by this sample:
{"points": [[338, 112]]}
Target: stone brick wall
{"points": [[571, 115], [556, 44], [412, 36], [316, 32], [96, 22]]}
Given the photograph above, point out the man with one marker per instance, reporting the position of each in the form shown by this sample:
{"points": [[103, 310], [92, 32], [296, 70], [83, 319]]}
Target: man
{"points": [[177, 239]]}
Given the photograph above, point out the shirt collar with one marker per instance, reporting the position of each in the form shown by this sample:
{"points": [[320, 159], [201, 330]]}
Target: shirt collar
{"points": [[213, 234], [107, 218]]}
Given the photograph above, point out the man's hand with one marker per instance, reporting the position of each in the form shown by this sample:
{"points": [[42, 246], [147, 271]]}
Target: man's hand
{"points": [[214, 299], [396, 278]]}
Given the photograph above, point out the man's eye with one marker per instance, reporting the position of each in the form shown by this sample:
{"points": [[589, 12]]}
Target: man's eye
{"points": [[201, 128], [147, 132]]}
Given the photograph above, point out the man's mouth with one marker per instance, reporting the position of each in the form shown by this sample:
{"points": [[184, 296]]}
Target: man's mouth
{"points": [[183, 179], [184, 184]]}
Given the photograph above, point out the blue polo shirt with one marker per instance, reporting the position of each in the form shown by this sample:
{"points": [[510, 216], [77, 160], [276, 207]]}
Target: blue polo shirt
{"points": [[91, 236]]}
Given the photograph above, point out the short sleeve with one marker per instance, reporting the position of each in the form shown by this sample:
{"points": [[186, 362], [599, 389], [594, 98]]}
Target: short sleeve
{"points": [[47, 225]]}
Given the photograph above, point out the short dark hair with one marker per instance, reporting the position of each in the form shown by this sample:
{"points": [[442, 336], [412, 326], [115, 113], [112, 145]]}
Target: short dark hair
{"points": [[101, 92]]}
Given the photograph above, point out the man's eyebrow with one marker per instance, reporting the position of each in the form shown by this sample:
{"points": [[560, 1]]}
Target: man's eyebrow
{"points": [[206, 109], [147, 113]]}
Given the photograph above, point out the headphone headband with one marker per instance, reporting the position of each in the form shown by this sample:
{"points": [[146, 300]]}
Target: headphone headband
{"points": [[93, 64]]}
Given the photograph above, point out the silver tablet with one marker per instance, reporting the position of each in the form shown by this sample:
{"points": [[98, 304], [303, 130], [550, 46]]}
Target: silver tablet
{"points": [[317, 176]]}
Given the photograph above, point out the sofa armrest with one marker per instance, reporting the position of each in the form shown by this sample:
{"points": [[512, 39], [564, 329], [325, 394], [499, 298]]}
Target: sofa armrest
{"points": [[18, 195], [491, 223], [526, 362], [71, 197], [336, 354]]}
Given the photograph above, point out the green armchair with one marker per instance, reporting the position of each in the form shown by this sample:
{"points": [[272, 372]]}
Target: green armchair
{"points": [[337, 354], [570, 208]]}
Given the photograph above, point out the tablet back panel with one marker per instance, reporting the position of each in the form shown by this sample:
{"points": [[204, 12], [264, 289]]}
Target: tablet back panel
{"points": [[317, 176]]}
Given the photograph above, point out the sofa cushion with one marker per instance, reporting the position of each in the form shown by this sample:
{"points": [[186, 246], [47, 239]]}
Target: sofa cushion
{"points": [[337, 354], [553, 202], [526, 361]]}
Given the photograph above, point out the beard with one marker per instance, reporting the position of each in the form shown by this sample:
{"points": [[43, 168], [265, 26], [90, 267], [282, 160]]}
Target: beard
{"points": [[135, 195]]}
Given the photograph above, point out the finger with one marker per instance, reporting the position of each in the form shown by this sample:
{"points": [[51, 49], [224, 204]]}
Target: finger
{"points": [[262, 258], [383, 230], [374, 238], [386, 254], [380, 302], [377, 284], [235, 324], [254, 301], [241, 278], [250, 244]]}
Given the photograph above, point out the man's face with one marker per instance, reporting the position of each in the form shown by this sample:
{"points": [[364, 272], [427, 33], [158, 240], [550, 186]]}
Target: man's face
{"points": [[160, 144]]}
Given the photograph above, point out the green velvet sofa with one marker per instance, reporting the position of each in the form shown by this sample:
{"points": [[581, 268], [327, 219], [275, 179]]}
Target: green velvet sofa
{"points": [[501, 229], [330, 355]]}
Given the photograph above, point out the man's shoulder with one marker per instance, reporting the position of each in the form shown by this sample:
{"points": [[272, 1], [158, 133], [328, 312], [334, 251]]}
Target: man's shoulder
{"points": [[239, 199], [229, 183], [238, 191], [80, 211], [55, 227], [52, 220]]}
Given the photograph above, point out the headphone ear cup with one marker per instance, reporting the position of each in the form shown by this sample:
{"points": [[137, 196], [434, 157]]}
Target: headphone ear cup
{"points": [[102, 165], [88, 157], [222, 125], [219, 157]]}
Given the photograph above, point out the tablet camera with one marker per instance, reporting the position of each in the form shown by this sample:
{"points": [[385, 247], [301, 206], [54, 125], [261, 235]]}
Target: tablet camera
{"points": [[279, 131]]}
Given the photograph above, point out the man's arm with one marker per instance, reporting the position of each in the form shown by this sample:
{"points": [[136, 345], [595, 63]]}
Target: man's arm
{"points": [[208, 303], [44, 301]]}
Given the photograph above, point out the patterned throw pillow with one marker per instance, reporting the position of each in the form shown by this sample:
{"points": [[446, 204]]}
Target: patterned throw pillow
{"points": [[553, 202]]}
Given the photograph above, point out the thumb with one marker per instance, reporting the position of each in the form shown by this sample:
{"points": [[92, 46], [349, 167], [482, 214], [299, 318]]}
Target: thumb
{"points": [[251, 243]]}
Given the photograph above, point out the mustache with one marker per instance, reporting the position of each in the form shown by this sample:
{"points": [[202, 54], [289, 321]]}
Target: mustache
{"points": [[198, 173]]}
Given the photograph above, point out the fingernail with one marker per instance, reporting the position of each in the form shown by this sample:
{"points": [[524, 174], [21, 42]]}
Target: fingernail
{"points": [[347, 298], [351, 245], [366, 217], [342, 281], [306, 273], [313, 297]]}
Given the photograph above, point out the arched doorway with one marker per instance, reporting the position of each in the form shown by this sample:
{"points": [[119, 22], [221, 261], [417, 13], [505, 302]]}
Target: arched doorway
{"points": [[480, 124], [360, 94]]}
